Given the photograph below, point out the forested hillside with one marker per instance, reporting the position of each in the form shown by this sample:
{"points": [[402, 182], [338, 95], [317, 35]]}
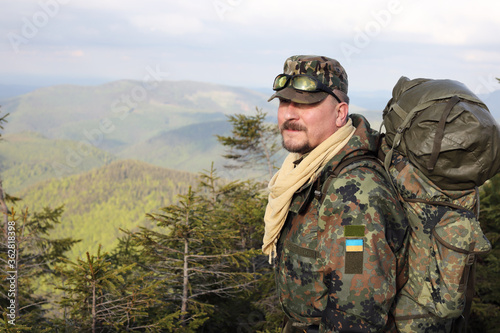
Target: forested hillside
{"points": [[99, 202], [186, 148], [29, 157]]}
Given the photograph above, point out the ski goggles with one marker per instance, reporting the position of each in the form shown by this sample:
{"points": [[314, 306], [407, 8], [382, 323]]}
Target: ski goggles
{"points": [[302, 82]]}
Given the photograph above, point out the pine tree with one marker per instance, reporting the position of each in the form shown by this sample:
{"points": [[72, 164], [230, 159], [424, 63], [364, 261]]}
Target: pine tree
{"points": [[195, 256], [253, 144], [29, 256], [239, 205], [485, 315], [3, 119], [100, 297]]}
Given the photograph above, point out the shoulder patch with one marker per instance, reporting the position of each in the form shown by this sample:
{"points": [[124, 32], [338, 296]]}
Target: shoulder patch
{"points": [[354, 231], [354, 248]]}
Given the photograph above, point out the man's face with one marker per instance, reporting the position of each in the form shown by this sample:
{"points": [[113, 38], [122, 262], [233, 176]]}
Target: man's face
{"points": [[304, 126]]}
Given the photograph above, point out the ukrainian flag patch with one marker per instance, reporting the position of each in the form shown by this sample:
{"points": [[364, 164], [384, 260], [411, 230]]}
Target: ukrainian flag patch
{"points": [[354, 245]]}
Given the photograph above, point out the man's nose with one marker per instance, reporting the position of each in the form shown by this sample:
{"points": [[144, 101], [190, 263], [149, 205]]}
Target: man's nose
{"points": [[291, 111]]}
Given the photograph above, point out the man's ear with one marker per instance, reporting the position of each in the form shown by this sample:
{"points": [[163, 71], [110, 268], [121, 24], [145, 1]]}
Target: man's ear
{"points": [[342, 114]]}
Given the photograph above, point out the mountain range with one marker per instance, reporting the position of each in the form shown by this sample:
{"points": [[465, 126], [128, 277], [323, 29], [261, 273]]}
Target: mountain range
{"points": [[173, 125]]}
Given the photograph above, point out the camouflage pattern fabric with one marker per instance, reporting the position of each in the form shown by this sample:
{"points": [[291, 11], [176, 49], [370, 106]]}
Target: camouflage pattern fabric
{"points": [[327, 70], [444, 237], [338, 254]]}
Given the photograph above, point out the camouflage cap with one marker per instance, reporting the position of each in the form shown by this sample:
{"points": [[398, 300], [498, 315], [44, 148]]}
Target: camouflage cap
{"points": [[327, 70]]}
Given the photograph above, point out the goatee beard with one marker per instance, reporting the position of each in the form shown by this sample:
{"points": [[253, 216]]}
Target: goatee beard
{"points": [[299, 150], [288, 125]]}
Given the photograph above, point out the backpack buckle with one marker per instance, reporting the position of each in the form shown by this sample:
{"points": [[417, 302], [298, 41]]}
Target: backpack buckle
{"points": [[470, 259]]}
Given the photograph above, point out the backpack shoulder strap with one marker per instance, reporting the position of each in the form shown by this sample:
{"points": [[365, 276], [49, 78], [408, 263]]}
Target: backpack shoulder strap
{"points": [[351, 160], [321, 189]]}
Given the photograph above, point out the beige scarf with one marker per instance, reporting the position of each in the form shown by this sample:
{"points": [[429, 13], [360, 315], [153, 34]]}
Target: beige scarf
{"points": [[289, 179]]}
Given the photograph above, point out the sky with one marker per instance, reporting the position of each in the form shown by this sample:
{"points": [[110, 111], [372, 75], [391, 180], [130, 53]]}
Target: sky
{"points": [[244, 43]]}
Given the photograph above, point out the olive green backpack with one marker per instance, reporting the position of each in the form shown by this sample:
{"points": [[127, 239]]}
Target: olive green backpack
{"points": [[444, 130], [441, 143]]}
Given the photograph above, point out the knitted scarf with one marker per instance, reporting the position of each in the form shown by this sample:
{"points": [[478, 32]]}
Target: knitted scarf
{"points": [[290, 178]]}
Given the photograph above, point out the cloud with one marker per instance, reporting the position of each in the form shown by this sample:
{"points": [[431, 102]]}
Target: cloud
{"points": [[77, 53], [244, 42], [447, 22], [172, 24]]}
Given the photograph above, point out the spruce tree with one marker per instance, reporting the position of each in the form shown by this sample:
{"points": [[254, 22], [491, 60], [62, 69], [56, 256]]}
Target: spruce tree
{"points": [[240, 205], [101, 297], [253, 143], [485, 315], [195, 256], [28, 255]]}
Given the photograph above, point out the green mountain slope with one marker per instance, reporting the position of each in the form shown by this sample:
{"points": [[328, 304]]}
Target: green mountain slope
{"points": [[191, 148], [27, 158], [99, 202], [116, 115]]}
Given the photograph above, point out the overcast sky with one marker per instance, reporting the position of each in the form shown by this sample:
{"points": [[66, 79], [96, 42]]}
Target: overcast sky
{"points": [[245, 42]]}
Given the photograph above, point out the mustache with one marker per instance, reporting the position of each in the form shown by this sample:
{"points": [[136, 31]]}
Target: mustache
{"points": [[289, 125]]}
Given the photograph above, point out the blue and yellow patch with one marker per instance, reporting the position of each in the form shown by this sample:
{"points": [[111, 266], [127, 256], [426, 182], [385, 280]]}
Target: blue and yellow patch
{"points": [[354, 245]]}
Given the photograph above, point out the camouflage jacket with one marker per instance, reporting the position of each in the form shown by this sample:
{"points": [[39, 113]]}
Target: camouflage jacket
{"points": [[337, 255]]}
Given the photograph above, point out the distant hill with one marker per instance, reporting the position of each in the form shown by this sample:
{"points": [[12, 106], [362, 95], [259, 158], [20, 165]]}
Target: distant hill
{"points": [[99, 202], [173, 125], [187, 148], [28, 157], [116, 115]]}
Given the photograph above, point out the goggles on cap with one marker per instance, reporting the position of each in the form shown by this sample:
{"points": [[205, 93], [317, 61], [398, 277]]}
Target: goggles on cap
{"points": [[302, 82]]}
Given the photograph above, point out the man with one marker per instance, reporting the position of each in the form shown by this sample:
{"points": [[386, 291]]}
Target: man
{"points": [[334, 239]]}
